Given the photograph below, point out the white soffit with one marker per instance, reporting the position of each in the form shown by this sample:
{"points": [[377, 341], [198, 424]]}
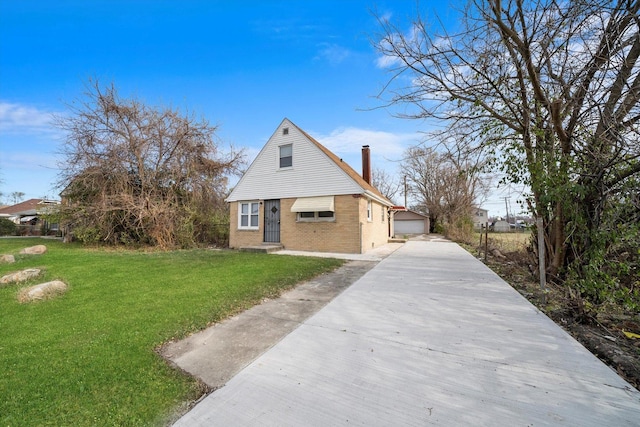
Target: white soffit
{"points": [[313, 204]]}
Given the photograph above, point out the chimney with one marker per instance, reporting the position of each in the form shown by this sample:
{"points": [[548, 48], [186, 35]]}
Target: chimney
{"points": [[366, 164]]}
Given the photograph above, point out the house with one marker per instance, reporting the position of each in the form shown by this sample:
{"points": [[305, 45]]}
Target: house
{"points": [[406, 221], [299, 195], [480, 217], [27, 211], [28, 214]]}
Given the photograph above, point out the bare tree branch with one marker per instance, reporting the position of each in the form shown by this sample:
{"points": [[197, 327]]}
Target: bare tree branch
{"points": [[136, 174]]}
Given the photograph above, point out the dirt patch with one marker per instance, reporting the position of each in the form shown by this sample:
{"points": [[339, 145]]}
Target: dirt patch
{"points": [[602, 335]]}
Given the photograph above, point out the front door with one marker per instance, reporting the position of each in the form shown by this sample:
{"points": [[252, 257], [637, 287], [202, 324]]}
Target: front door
{"points": [[272, 221]]}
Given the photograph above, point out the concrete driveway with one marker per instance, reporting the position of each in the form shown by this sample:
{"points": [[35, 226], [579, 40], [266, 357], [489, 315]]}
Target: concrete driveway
{"points": [[429, 336]]}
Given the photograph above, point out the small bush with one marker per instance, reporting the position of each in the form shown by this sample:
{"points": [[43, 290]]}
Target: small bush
{"points": [[7, 227], [461, 230]]}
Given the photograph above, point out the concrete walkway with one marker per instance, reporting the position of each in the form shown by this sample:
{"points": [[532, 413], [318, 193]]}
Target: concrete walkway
{"points": [[376, 254], [428, 336]]}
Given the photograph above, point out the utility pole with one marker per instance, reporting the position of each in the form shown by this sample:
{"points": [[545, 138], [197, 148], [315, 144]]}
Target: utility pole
{"points": [[506, 205], [405, 191]]}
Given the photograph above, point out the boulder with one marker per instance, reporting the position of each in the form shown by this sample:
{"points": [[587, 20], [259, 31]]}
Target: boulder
{"points": [[42, 291], [7, 259], [34, 250], [20, 276]]}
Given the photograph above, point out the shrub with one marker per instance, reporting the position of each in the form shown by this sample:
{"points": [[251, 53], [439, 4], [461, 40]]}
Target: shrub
{"points": [[7, 227]]}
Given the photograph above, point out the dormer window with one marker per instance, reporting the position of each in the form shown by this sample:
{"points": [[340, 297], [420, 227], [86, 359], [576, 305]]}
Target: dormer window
{"points": [[286, 156]]}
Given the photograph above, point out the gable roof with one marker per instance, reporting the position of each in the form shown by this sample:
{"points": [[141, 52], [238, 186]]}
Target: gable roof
{"points": [[22, 207], [409, 214], [345, 167], [316, 171]]}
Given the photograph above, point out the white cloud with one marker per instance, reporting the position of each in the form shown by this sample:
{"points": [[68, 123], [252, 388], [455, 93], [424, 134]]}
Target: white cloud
{"points": [[413, 38], [333, 53], [24, 119], [349, 141], [385, 62]]}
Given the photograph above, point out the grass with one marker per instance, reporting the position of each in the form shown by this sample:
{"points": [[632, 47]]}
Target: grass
{"points": [[87, 357], [506, 242]]}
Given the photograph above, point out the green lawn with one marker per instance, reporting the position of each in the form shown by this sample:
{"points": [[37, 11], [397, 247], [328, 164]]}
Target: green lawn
{"points": [[87, 357]]}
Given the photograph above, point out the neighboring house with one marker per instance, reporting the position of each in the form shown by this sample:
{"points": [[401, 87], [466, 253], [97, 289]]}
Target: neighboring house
{"points": [[29, 212], [406, 221], [24, 212], [480, 217], [300, 195]]}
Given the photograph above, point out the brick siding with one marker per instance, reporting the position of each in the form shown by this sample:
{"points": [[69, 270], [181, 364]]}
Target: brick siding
{"points": [[343, 235]]}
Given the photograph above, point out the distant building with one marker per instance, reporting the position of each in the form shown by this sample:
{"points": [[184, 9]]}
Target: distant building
{"points": [[28, 214], [501, 226], [480, 217]]}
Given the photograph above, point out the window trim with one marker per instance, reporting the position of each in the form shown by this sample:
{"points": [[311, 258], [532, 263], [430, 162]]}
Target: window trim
{"points": [[250, 204], [369, 210], [280, 158], [316, 217]]}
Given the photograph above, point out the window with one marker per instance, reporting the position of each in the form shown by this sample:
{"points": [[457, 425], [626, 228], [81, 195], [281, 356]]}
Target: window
{"points": [[248, 215], [369, 210], [382, 213], [285, 131], [326, 216], [286, 156]]}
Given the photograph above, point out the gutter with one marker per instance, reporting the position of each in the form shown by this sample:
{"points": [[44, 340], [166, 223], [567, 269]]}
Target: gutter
{"points": [[377, 198]]}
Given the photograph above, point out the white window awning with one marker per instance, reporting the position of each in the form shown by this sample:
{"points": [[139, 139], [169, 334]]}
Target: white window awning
{"points": [[313, 204]]}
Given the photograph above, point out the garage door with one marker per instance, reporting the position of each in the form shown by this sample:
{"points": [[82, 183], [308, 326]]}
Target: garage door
{"points": [[414, 226]]}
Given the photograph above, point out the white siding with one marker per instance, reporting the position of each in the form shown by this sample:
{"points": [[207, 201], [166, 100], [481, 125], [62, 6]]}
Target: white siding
{"points": [[312, 173]]}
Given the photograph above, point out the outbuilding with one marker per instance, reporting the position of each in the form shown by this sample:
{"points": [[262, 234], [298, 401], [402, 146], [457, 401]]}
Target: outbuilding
{"points": [[410, 222]]}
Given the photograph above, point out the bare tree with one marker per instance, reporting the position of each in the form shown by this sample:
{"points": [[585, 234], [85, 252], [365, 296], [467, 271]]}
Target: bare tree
{"points": [[387, 184], [548, 91], [135, 174], [16, 197], [447, 185]]}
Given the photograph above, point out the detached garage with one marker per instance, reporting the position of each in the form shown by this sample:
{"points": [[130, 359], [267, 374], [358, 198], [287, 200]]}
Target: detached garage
{"points": [[410, 222]]}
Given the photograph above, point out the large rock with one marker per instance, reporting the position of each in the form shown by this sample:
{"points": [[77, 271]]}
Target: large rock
{"points": [[7, 259], [20, 276], [34, 250], [42, 291]]}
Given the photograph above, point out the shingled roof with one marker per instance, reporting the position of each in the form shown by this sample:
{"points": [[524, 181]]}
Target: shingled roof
{"points": [[23, 207]]}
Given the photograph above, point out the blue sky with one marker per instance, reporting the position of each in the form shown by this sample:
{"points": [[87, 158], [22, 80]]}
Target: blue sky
{"points": [[243, 66]]}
